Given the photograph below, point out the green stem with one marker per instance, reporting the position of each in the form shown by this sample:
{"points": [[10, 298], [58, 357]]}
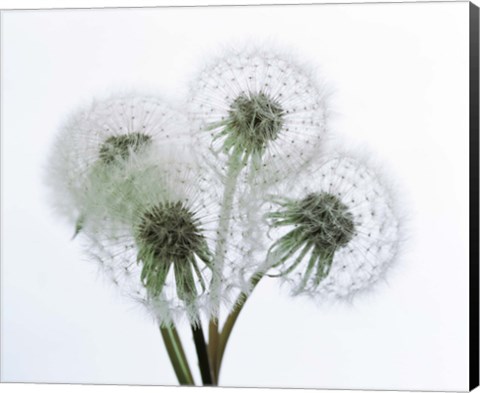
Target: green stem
{"points": [[234, 168], [177, 356], [213, 338], [231, 320], [202, 354]]}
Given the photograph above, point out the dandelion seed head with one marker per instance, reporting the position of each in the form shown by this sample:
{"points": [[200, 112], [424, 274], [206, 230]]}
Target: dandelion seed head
{"points": [[97, 140], [155, 239], [336, 232], [261, 105]]}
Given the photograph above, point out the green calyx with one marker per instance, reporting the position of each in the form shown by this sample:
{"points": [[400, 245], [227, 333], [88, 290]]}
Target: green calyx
{"points": [[119, 147], [320, 224], [170, 234], [253, 121]]}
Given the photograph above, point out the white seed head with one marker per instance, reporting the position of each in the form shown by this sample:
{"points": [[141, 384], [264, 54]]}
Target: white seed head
{"points": [[156, 239], [335, 232], [97, 140], [262, 106]]}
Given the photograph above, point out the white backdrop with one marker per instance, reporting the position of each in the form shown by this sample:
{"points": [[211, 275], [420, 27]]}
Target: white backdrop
{"points": [[400, 76]]}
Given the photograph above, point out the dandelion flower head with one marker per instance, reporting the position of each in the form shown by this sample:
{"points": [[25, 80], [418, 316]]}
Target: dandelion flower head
{"points": [[157, 244], [260, 106], [335, 232], [97, 140]]}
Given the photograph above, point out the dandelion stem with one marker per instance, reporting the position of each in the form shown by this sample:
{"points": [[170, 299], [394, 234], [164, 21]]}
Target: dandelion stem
{"points": [[231, 320], [177, 355], [213, 339], [202, 354], [233, 170]]}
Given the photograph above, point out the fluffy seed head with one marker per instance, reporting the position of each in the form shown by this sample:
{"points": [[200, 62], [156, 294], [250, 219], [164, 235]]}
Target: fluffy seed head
{"points": [[97, 140], [155, 240], [262, 106], [335, 232]]}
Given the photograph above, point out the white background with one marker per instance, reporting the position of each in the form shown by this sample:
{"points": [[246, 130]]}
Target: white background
{"points": [[400, 76]]}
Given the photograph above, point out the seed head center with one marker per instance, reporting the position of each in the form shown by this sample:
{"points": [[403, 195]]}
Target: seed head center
{"points": [[320, 223], [120, 146], [324, 220], [170, 231], [254, 120]]}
